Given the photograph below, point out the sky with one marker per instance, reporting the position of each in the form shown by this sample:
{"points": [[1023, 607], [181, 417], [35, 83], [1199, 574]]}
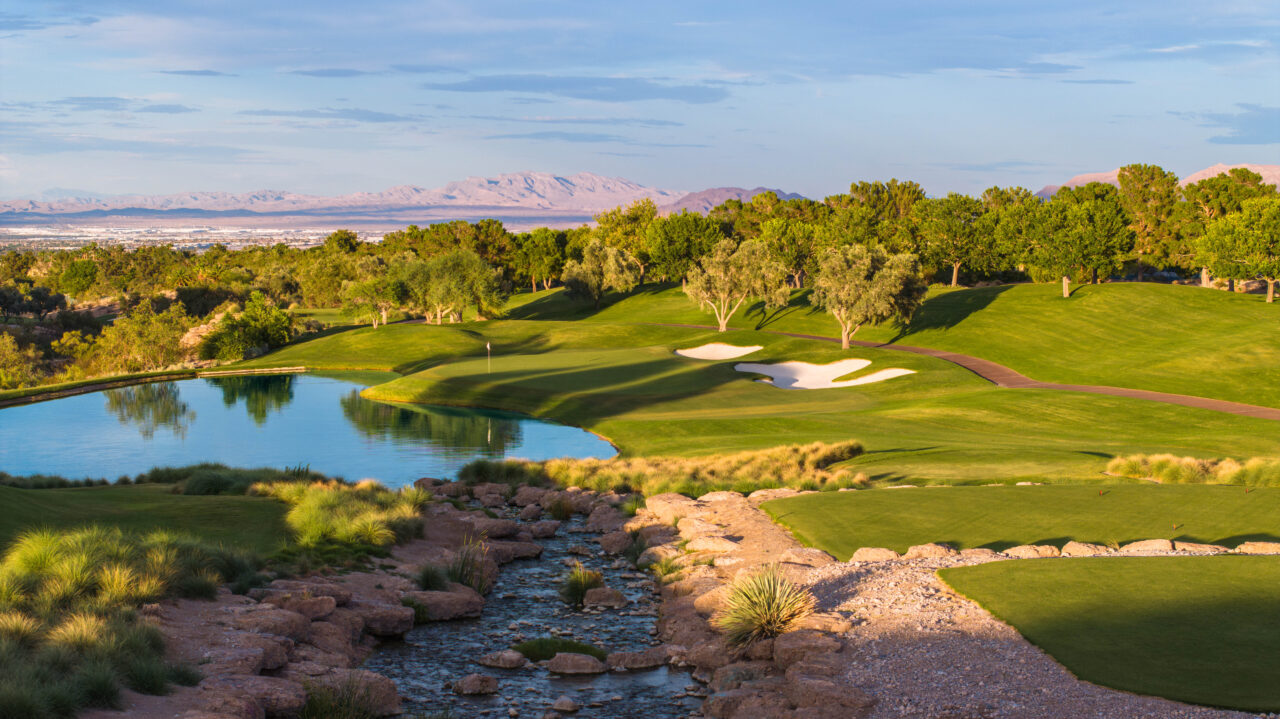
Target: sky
{"points": [[126, 96]]}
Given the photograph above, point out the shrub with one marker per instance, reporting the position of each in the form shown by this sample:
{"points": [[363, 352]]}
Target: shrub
{"points": [[560, 508], [574, 587], [346, 700], [99, 684], [19, 628], [632, 505], [468, 567], [539, 650], [432, 578], [762, 605], [1171, 469], [357, 520], [147, 674]]}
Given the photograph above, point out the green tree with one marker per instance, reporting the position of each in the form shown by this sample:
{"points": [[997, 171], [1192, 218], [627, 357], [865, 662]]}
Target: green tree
{"points": [[626, 229], [260, 327], [342, 242], [730, 275], [78, 277], [1149, 196], [791, 242], [140, 341], [17, 364], [952, 233], [1085, 230], [1215, 197], [445, 285], [860, 285], [674, 243], [540, 255], [602, 269], [1246, 244], [374, 298]]}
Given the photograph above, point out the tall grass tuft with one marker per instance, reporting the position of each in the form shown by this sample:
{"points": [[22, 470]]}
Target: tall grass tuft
{"points": [[1172, 469], [538, 650], [468, 567], [573, 590], [762, 605], [347, 700], [811, 466], [432, 578]]}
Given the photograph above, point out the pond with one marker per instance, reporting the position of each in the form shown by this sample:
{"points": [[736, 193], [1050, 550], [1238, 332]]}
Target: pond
{"points": [[270, 421]]}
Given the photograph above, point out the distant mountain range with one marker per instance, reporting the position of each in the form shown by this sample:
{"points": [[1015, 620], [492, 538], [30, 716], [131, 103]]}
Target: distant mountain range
{"points": [[1270, 175], [702, 202]]}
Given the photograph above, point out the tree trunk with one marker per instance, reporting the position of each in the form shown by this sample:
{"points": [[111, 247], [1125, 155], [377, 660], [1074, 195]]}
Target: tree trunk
{"points": [[1271, 291], [1206, 279], [724, 324], [1139, 266], [534, 282], [955, 274], [1231, 284], [844, 338], [1066, 287], [384, 316], [1095, 276]]}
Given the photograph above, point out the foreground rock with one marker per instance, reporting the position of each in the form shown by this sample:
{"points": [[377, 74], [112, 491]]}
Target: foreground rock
{"points": [[571, 663]]}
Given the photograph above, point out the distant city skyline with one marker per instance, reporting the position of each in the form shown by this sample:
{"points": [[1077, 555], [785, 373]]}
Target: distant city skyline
{"points": [[124, 96]]}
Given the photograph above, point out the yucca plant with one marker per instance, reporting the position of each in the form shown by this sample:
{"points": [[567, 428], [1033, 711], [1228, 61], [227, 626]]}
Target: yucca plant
{"points": [[762, 605], [573, 590]]}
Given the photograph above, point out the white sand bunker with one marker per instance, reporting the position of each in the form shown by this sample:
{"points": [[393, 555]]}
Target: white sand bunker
{"points": [[803, 375], [717, 351]]}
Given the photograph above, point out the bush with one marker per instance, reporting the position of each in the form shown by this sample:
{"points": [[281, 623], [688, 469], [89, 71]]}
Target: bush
{"points": [[1171, 469], [334, 518], [539, 650], [260, 327], [574, 587], [560, 508], [432, 578], [762, 605]]}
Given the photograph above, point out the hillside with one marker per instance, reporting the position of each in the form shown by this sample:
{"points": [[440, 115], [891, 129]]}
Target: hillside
{"points": [[702, 202]]}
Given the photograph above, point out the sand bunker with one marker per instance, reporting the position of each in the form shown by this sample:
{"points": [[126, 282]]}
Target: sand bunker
{"points": [[718, 351], [803, 375]]}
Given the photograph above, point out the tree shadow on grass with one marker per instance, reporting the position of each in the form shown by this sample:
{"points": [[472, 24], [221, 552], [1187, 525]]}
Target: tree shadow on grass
{"points": [[946, 311]]}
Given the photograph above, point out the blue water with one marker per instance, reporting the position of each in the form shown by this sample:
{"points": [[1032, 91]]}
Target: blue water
{"points": [[272, 421]]}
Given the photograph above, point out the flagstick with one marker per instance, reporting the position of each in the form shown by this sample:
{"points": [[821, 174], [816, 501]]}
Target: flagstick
{"points": [[488, 353]]}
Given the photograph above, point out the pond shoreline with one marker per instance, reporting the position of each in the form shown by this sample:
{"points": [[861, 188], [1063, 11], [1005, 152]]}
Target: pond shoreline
{"points": [[97, 385]]}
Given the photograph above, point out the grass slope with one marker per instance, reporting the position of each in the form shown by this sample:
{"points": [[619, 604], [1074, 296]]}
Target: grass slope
{"points": [[1167, 338], [1195, 629], [1001, 517], [250, 522]]}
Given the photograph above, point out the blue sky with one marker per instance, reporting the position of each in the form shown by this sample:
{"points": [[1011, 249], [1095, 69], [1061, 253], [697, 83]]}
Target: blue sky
{"points": [[326, 97]]}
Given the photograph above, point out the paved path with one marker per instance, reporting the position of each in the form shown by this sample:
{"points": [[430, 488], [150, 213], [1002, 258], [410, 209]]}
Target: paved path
{"points": [[1002, 376]]}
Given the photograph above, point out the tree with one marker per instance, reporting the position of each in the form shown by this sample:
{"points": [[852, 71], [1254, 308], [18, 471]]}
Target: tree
{"points": [[17, 365], [602, 269], [1149, 196], [626, 229], [951, 233], [727, 277], [859, 284], [342, 242], [1246, 244], [1086, 230], [374, 298], [447, 284], [676, 242], [540, 255], [140, 341], [261, 326], [1215, 197], [791, 242], [78, 277]]}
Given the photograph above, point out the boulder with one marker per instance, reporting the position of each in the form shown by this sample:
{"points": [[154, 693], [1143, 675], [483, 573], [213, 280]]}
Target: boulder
{"points": [[666, 507], [764, 495], [271, 620], [713, 544], [753, 700], [647, 659], [494, 528], [829, 622], [732, 676], [232, 660], [1084, 549], [503, 552], [493, 501], [811, 691], [1258, 548], [1198, 548], [793, 646], [505, 659], [311, 607], [604, 597], [451, 489], [691, 527], [458, 602], [544, 529], [817, 665], [527, 496], [573, 663], [932, 550], [722, 496], [1032, 551], [874, 554], [566, 705], [279, 698], [605, 518], [656, 554], [474, 684], [383, 620], [531, 513], [332, 638], [313, 587], [709, 654], [808, 556], [980, 553], [615, 542], [1148, 545], [377, 692], [655, 534]]}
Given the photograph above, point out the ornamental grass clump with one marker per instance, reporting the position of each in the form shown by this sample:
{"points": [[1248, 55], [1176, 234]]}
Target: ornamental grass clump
{"points": [[1172, 469], [762, 605], [332, 518], [573, 590], [469, 566]]}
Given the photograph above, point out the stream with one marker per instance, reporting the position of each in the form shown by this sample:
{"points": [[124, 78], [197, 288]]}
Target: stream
{"points": [[525, 604]]}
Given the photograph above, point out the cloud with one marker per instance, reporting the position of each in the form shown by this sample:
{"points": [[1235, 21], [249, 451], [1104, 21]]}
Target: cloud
{"points": [[1100, 81], [16, 22], [353, 114], [19, 138], [167, 109], [620, 121], [1255, 125], [602, 89], [560, 136], [333, 72], [197, 73], [91, 104], [424, 69]]}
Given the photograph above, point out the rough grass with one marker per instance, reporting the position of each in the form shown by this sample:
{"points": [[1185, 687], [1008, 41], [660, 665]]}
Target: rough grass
{"points": [[1207, 623], [361, 519], [573, 589], [469, 566], [1001, 517], [762, 605], [538, 650], [798, 466], [1171, 469]]}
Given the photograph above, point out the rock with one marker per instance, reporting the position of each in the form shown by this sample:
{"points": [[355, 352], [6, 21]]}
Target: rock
{"points": [[810, 691], [1084, 549], [311, 607], [1258, 548], [980, 553], [615, 542], [383, 620], [712, 544], [828, 622], [605, 519], [761, 650], [275, 621], [764, 495], [527, 496], [1148, 545], [451, 489], [666, 507], [691, 527], [808, 556], [493, 528], [754, 700], [545, 528], [279, 698], [505, 659], [473, 684], [376, 692], [929, 551], [275, 650], [710, 654], [1032, 551], [573, 663], [817, 665], [566, 705], [232, 660], [333, 639], [655, 534], [653, 555], [492, 501], [504, 551], [604, 597], [647, 659], [793, 646], [708, 594], [722, 496], [314, 587], [531, 513], [225, 704], [874, 554], [732, 676], [1201, 548], [458, 602]]}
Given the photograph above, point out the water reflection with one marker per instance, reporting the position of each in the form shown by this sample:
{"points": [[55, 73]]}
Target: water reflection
{"points": [[491, 435], [262, 394], [150, 407]]}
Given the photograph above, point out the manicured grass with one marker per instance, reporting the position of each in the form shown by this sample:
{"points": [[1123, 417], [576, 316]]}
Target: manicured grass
{"points": [[1001, 517], [1167, 338], [252, 523], [1194, 629]]}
